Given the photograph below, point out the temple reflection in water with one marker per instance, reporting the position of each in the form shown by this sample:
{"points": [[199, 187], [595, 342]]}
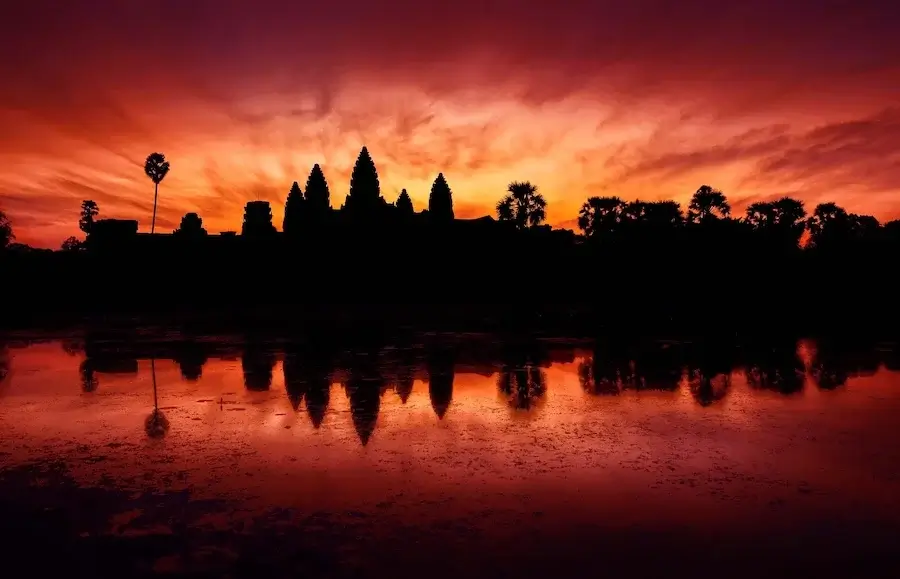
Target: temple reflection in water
{"points": [[522, 374]]}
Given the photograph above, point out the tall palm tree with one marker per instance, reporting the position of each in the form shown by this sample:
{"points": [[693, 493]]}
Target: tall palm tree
{"points": [[662, 214], [156, 167], [708, 204], [828, 221], [785, 217], [761, 215], [601, 215], [523, 206]]}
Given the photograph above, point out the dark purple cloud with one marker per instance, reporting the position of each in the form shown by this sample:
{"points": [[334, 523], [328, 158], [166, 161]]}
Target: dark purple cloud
{"points": [[768, 94]]}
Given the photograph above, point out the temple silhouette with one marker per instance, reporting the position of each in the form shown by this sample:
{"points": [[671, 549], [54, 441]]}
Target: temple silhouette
{"points": [[368, 265]]}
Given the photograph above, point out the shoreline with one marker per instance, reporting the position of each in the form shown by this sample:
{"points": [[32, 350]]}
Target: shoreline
{"points": [[351, 321]]}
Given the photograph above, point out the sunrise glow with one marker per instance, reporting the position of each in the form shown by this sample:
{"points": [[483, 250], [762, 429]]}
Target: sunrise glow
{"points": [[243, 98]]}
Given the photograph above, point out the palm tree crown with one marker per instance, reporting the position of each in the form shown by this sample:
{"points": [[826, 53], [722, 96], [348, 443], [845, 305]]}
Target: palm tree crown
{"points": [[523, 205], [156, 167], [708, 204]]}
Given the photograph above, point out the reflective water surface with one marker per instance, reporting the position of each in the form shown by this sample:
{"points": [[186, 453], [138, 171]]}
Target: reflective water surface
{"points": [[449, 456]]}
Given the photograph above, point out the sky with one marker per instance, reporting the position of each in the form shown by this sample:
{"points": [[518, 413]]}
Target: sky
{"points": [[642, 99]]}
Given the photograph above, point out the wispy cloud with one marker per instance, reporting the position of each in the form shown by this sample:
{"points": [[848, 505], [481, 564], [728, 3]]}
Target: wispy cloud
{"points": [[648, 99]]}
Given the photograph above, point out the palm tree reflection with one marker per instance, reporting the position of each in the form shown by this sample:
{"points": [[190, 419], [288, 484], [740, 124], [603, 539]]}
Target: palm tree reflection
{"points": [[89, 380], [659, 368], [707, 389], [604, 372], [521, 380], [778, 368], [156, 425], [709, 372]]}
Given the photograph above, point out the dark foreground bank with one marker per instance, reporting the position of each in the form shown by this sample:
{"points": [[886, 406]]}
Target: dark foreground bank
{"points": [[52, 527]]}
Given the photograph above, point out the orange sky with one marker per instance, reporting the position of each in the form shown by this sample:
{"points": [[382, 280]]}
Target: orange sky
{"points": [[583, 98]]}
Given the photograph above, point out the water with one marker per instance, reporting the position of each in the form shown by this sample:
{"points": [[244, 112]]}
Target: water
{"points": [[471, 457]]}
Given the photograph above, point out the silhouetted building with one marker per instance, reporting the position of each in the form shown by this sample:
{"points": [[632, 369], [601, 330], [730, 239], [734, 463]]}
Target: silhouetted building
{"points": [[404, 205], [294, 380], [112, 234], [440, 201], [307, 378], [257, 219], [110, 360], [191, 227], [404, 386], [293, 210], [317, 197], [364, 201], [318, 397], [364, 387], [109, 228]]}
